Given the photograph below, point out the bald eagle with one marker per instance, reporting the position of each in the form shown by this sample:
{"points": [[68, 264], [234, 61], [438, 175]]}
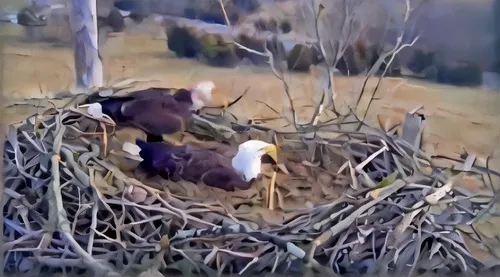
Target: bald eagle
{"points": [[156, 111], [197, 165]]}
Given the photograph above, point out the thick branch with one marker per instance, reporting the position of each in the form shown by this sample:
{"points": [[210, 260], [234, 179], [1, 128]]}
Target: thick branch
{"points": [[63, 225]]}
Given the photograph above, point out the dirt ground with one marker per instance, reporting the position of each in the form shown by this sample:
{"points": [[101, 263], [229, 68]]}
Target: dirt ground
{"points": [[457, 118]]}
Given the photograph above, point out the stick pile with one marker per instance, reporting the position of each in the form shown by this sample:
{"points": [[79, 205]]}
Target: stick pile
{"points": [[69, 209]]}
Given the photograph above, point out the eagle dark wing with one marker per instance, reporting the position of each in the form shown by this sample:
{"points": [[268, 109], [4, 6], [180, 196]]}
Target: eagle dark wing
{"points": [[151, 93], [213, 169], [112, 104], [156, 116], [150, 105], [189, 163], [154, 110], [199, 162], [162, 159], [224, 178]]}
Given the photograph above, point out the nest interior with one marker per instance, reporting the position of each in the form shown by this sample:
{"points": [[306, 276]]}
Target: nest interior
{"points": [[365, 201]]}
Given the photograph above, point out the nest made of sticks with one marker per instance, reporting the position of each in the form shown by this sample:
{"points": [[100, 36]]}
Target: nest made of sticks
{"points": [[68, 209]]}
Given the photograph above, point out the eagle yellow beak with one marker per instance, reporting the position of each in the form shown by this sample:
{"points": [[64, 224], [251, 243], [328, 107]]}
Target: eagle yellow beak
{"points": [[272, 151]]}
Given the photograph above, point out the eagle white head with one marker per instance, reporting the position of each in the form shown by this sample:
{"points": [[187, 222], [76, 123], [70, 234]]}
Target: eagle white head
{"points": [[248, 160], [201, 93]]}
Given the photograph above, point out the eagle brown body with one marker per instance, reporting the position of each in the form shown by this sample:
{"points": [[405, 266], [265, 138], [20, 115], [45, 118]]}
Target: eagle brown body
{"points": [[157, 111], [190, 163]]}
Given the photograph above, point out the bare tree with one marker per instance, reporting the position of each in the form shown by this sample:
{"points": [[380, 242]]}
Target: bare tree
{"points": [[336, 40], [337, 25], [83, 22], [274, 62], [387, 58], [340, 24]]}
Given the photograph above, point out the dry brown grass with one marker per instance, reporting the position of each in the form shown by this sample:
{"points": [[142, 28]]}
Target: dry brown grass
{"points": [[458, 118]]}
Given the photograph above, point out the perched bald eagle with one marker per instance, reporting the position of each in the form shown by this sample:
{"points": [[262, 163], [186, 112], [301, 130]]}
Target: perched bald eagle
{"points": [[157, 111], [195, 164]]}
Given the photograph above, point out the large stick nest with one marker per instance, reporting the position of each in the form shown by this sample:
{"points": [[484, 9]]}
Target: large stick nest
{"points": [[69, 208]]}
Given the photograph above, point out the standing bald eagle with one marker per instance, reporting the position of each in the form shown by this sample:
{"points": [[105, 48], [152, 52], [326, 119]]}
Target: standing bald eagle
{"points": [[157, 111], [201, 165]]}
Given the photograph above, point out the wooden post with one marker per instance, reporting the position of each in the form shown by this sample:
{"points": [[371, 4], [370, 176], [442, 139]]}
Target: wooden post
{"points": [[88, 65]]}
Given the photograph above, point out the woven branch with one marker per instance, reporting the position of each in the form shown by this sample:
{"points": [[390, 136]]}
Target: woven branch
{"points": [[69, 208]]}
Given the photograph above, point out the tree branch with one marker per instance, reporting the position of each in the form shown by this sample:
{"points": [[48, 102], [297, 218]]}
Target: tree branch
{"points": [[272, 63], [228, 23], [391, 53], [319, 109], [337, 54]]}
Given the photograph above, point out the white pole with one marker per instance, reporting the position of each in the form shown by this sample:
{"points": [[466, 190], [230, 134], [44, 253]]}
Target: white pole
{"points": [[88, 65]]}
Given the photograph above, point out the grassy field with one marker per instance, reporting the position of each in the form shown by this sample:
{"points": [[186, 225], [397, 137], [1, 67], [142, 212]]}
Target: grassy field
{"points": [[457, 117]]}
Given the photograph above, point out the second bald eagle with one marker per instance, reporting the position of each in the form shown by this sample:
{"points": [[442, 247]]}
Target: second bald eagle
{"points": [[157, 111]]}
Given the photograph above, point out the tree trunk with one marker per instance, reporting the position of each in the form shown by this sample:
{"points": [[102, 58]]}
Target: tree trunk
{"points": [[88, 65]]}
